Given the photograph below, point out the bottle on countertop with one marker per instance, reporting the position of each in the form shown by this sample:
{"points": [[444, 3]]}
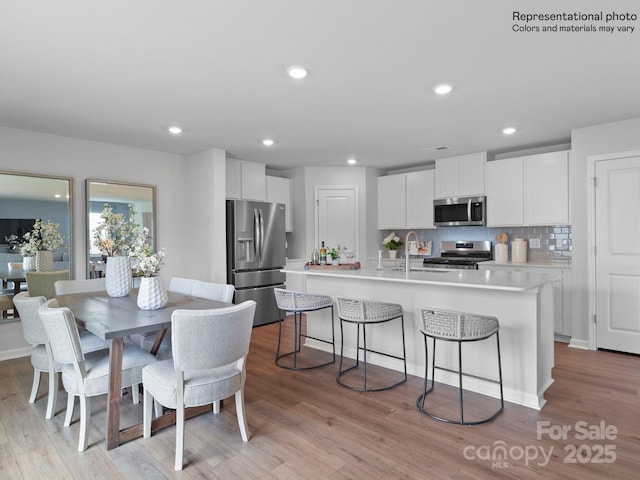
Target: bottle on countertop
{"points": [[315, 257], [323, 254]]}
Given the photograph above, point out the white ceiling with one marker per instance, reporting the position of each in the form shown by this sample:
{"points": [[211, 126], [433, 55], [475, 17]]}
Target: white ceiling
{"points": [[122, 71]]}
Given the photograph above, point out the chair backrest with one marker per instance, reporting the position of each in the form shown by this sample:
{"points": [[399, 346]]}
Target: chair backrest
{"points": [[204, 339], [62, 332], [212, 291], [64, 287], [32, 327], [41, 283]]}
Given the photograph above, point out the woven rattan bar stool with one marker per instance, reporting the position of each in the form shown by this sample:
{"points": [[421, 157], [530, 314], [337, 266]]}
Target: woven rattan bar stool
{"points": [[299, 303], [364, 313], [457, 327]]}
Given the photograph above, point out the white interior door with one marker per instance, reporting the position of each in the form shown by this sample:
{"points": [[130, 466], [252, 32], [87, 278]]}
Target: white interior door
{"points": [[337, 217], [617, 261]]}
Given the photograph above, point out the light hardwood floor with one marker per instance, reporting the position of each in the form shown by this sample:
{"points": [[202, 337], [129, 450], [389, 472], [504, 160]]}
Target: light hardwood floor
{"points": [[304, 425]]}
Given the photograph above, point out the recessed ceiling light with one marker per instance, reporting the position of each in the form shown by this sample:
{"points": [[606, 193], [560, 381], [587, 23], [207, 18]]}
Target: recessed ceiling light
{"points": [[267, 142], [297, 72], [509, 130], [352, 161], [443, 89], [175, 130], [57, 195]]}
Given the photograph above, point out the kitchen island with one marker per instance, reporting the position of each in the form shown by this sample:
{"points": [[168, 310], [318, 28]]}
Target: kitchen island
{"points": [[522, 302]]}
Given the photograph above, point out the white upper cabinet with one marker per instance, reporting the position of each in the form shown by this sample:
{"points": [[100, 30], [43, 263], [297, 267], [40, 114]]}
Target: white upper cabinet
{"points": [[460, 176], [505, 189], [279, 191], [392, 206], [406, 200], [530, 190], [245, 180], [420, 199], [546, 189]]}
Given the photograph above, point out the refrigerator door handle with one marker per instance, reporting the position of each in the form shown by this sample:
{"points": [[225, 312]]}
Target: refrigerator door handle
{"points": [[256, 233], [261, 234]]}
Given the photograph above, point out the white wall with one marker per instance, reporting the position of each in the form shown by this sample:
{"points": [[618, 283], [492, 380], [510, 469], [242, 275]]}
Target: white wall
{"points": [[343, 176], [179, 222], [600, 139]]}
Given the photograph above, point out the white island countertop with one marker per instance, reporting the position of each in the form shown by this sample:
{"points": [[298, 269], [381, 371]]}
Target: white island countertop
{"points": [[489, 279]]}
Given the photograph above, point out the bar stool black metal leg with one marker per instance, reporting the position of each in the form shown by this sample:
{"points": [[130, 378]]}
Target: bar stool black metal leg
{"points": [[364, 355], [460, 380]]}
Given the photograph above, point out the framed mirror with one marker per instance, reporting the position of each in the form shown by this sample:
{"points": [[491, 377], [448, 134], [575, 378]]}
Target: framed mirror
{"points": [[25, 197], [119, 195]]}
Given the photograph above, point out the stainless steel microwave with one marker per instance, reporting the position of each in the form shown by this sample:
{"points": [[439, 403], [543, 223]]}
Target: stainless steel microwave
{"points": [[460, 211]]}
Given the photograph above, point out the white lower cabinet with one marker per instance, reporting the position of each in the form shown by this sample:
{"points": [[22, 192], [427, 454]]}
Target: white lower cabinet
{"points": [[561, 291]]}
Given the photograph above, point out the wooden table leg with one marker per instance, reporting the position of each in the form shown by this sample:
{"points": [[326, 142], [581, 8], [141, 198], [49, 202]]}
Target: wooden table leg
{"points": [[159, 337], [116, 348]]}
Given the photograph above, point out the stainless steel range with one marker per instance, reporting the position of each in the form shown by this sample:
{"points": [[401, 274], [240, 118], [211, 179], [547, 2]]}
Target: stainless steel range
{"points": [[460, 255]]}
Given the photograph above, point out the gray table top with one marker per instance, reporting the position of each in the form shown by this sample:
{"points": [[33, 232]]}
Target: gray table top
{"points": [[112, 317]]}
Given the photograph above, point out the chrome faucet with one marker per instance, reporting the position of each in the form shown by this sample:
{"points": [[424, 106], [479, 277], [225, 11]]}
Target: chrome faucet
{"points": [[406, 252]]}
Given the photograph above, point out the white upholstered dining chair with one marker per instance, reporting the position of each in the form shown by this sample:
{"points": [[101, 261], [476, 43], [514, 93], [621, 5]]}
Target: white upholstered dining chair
{"points": [[66, 287], [41, 357], [212, 291], [210, 348], [85, 375]]}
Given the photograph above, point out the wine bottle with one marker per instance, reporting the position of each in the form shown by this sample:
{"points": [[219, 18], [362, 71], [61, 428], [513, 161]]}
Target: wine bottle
{"points": [[323, 254]]}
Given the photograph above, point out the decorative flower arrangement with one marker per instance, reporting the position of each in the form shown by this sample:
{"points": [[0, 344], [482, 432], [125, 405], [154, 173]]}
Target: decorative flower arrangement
{"points": [[115, 235], [392, 241], [335, 253], [12, 243], [43, 236], [149, 263]]}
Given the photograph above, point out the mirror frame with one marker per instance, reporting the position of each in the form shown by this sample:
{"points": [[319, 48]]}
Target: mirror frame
{"points": [[88, 239]]}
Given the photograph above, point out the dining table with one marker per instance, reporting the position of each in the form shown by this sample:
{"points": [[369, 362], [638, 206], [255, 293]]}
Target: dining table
{"points": [[13, 275], [115, 318]]}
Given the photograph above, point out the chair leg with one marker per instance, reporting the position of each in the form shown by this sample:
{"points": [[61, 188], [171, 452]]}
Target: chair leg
{"points": [[135, 393], [35, 385], [157, 406], [179, 421], [216, 407], [85, 417], [242, 418], [52, 401], [69, 415], [147, 399]]}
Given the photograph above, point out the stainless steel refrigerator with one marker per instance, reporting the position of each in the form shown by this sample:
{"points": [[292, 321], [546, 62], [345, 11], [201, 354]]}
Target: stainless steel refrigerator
{"points": [[256, 250]]}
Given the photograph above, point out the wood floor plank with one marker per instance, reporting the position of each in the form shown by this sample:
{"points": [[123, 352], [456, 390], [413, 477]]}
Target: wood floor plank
{"points": [[302, 424]]}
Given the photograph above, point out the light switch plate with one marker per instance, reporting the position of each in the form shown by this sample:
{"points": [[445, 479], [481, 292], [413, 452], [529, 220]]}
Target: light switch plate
{"points": [[534, 243]]}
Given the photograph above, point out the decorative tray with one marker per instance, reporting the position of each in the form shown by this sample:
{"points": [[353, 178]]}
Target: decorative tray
{"points": [[341, 266]]}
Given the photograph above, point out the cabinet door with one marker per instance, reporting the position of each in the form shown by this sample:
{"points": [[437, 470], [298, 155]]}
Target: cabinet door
{"points": [[447, 181], [546, 189], [279, 191], [505, 193], [472, 174], [392, 210], [233, 178], [420, 199], [254, 185]]}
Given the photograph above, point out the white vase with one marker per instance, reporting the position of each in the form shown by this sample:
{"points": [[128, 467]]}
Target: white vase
{"points": [[501, 252], [28, 263], [151, 294], [392, 254], [118, 276], [44, 261]]}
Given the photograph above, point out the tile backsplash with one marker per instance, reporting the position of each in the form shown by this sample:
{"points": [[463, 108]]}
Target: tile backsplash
{"points": [[555, 241]]}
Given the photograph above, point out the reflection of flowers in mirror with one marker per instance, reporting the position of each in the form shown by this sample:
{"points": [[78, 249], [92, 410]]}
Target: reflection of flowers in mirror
{"points": [[43, 236], [392, 241], [12, 243], [148, 262], [114, 235]]}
